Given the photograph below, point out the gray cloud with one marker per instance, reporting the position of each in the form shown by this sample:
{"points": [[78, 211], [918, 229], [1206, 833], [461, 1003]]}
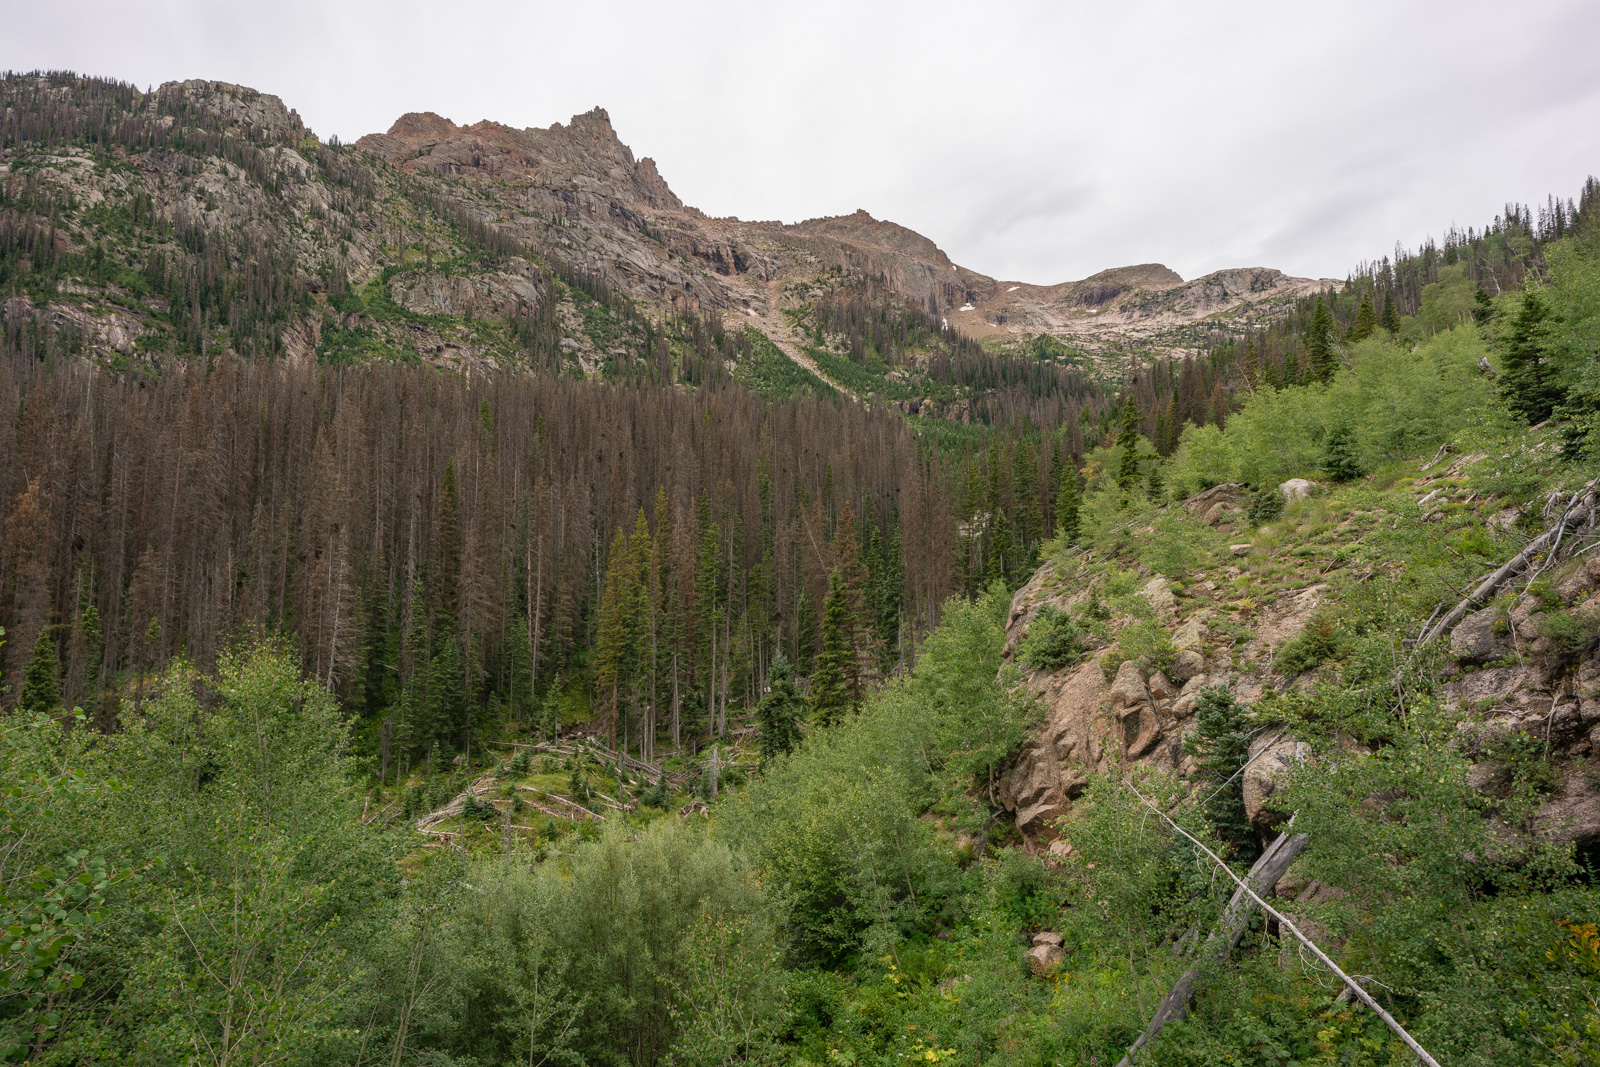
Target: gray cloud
{"points": [[1038, 141]]}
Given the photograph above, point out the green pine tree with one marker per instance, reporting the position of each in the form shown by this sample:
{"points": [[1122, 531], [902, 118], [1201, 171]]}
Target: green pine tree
{"points": [[447, 582], [1068, 502], [447, 696], [832, 677], [1155, 486], [1128, 441], [1221, 746], [40, 694], [1340, 459], [779, 713], [1390, 320], [1320, 353], [1483, 309], [1528, 380], [1366, 320]]}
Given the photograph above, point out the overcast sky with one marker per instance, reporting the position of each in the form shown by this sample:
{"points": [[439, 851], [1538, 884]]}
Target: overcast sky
{"points": [[1037, 142]]}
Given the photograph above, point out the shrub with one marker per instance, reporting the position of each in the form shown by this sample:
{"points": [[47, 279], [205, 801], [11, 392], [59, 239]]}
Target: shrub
{"points": [[1054, 641], [1266, 504], [1572, 632], [1319, 642], [1145, 640]]}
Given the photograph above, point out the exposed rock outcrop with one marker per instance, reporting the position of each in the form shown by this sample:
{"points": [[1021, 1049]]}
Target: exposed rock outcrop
{"points": [[1272, 758]]}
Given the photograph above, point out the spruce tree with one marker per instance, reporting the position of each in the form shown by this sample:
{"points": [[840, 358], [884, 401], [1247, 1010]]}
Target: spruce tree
{"points": [[447, 695], [1366, 320], [1483, 309], [1068, 502], [447, 580], [1128, 441], [833, 677], [1527, 380], [1221, 746], [779, 713], [40, 693], [1340, 459], [1320, 353], [1390, 320]]}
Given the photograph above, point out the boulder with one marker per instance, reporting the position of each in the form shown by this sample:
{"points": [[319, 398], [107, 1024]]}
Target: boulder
{"points": [[1158, 591], [1573, 814], [1190, 635], [1141, 729], [1033, 789], [1226, 495], [1128, 688], [1295, 489], [1048, 937], [1188, 664], [1161, 688], [1271, 756], [1042, 959], [1525, 618], [1474, 639], [1577, 579], [1240, 549]]}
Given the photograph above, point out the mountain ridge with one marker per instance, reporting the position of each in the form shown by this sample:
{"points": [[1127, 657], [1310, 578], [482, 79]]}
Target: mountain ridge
{"points": [[1146, 305]]}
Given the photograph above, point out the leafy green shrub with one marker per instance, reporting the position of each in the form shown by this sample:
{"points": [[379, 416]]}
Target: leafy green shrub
{"points": [[1320, 641], [1054, 641], [1145, 640], [1025, 890], [1529, 774], [1572, 632]]}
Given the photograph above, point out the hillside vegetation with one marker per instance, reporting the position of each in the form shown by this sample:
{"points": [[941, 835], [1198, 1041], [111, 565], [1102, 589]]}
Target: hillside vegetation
{"points": [[389, 680]]}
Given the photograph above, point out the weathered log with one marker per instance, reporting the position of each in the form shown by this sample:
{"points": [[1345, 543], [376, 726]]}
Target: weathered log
{"points": [[1579, 511], [1286, 924], [1223, 939]]}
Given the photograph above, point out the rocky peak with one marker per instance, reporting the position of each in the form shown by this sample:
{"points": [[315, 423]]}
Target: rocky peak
{"points": [[240, 105], [861, 228], [586, 149]]}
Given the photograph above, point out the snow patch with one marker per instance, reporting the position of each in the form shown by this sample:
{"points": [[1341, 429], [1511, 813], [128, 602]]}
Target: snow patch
{"points": [[966, 307], [1013, 289]]}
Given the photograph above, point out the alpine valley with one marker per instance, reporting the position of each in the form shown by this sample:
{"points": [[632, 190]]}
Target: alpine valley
{"points": [[464, 606]]}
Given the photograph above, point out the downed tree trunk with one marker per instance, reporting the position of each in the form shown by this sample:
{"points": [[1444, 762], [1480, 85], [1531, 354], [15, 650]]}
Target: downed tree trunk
{"points": [[1224, 939], [1578, 512]]}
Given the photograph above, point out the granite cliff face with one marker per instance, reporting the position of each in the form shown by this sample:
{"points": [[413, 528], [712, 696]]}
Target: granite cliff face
{"points": [[578, 190]]}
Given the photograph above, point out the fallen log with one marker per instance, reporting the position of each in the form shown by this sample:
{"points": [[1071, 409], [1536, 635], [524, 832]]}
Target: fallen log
{"points": [[1223, 939], [1285, 923], [1580, 510], [564, 800]]}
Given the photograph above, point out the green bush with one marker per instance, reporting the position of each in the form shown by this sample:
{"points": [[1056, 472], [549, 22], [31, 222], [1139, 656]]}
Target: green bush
{"points": [[1144, 639], [1054, 641], [1266, 504], [1320, 641], [1572, 632]]}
